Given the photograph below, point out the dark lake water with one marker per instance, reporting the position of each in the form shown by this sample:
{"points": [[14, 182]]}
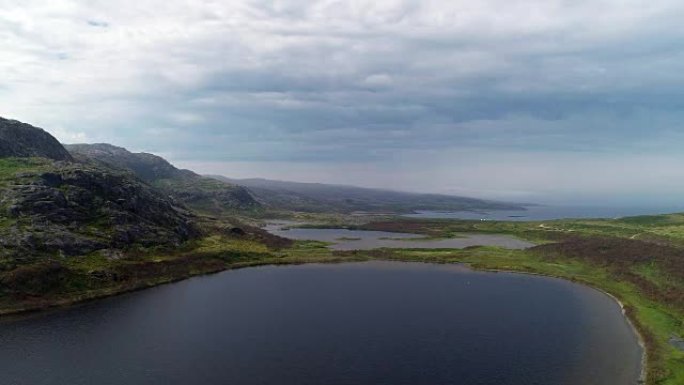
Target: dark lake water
{"points": [[344, 239], [543, 213], [369, 323]]}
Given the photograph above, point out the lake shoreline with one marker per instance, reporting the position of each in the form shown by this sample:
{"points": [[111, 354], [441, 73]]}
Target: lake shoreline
{"points": [[65, 303], [143, 306], [638, 333]]}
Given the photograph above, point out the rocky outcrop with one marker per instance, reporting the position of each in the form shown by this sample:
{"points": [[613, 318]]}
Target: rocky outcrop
{"points": [[53, 205], [67, 208], [200, 193], [23, 140]]}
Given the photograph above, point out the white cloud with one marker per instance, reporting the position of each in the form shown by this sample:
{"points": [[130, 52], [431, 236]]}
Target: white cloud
{"points": [[68, 136], [378, 80]]}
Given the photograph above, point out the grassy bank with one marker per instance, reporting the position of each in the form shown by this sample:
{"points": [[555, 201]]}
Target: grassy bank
{"points": [[65, 281]]}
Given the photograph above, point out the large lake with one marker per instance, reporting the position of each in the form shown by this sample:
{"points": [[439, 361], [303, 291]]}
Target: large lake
{"points": [[343, 239], [369, 323]]}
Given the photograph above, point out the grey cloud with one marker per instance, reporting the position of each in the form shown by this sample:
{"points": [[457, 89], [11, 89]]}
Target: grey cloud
{"points": [[337, 82]]}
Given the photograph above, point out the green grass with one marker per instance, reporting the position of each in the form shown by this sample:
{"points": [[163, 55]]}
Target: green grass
{"points": [[658, 276], [9, 167]]}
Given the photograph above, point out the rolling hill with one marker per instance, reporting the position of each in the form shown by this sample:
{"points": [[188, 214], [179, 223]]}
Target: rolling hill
{"points": [[316, 197], [200, 193]]}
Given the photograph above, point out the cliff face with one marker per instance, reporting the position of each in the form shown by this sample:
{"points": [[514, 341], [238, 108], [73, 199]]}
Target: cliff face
{"points": [[23, 140]]}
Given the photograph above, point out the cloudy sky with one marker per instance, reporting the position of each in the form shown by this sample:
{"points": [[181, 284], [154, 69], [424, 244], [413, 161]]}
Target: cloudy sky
{"points": [[547, 101]]}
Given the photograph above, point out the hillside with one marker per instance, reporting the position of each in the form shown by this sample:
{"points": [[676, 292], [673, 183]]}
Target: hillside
{"points": [[52, 205], [53, 208], [316, 197], [73, 228], [198, 192]]}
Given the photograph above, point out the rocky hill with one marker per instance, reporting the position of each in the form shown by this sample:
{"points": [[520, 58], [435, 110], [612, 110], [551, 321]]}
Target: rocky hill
{"points": [[198, 192], [24, 140], [52, 205], [81, 227]]}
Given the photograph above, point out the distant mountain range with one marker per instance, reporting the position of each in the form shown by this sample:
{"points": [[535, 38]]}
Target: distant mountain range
{"points": [[316, 197]]}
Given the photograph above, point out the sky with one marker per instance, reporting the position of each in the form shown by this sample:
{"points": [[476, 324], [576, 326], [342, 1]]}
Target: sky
{"points": [[574, 102]]}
